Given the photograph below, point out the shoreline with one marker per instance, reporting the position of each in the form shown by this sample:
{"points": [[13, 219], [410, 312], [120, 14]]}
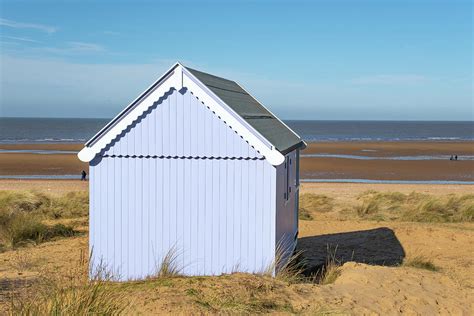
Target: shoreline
{"points": [[331, 161], [73, 177]]}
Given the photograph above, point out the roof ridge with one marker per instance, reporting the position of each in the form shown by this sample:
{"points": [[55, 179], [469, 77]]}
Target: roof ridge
{"points": [[265, 132], [206, 73]]}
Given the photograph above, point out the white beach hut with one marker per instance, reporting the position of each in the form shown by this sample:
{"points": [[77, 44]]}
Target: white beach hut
{"points": [[197, 167]]}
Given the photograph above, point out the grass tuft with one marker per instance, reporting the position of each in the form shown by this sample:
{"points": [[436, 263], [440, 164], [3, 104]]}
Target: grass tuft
{"points": [[69, 205], [248, 294], [331, 269], [420, 262], [20, 229], [72, 294], [25, 201], [169, 266], [309, 203], [22, 214], [288, 266], [415, 207]]}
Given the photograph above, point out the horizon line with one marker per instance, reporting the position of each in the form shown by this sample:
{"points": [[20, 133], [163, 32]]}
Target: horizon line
{"points": [[302, 120]]}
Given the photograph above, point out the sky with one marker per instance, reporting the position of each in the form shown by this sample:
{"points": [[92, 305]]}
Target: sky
{"points": [[320, 60]]}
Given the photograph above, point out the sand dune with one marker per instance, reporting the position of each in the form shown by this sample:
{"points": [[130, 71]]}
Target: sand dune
{"points": [[373, 278]]}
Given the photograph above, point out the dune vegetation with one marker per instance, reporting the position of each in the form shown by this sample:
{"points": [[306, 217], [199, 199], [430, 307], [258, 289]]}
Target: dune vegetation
{"points": [[420, 262], [23, 216], [394, 206], [310, 203], [58, 284], [73, 293], [416, 207]]}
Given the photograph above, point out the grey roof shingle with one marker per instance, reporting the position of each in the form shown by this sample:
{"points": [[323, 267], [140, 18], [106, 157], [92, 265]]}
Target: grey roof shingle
{"points": [[256, 115]]}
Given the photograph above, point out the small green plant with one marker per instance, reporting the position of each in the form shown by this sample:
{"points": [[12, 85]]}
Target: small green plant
{"points": [[192, 292], [420, 262], [304, 214]]}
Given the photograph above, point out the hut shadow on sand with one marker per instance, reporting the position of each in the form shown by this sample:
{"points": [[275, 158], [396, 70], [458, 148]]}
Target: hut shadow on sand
{"points": [[377, 246]]}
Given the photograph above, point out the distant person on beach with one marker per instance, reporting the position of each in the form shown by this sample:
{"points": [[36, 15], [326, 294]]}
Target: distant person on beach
{"points": [[83, 175], [456, 157]]}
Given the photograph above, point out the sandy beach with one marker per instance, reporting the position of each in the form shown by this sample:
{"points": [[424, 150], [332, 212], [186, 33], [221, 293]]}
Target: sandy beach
{"points": [[311, 167], [380, 169], [363, 286]]}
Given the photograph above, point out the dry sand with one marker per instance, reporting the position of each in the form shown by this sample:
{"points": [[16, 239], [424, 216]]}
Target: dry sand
{"points": [[49, 186], [347, 193], [383, 288]]}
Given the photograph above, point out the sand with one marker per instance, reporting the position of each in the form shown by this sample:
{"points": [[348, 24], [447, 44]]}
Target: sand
{"points": [[311, 168], [58, 146], [426, 170], [392, 148], [34, 164], [381, 287], [346, 193], [56, 187]]}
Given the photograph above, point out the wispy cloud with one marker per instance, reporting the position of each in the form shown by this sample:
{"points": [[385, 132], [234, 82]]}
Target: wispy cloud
{"points": [[21, 39], [85, 47], [70, 48], [20, 25], [390, 79]]}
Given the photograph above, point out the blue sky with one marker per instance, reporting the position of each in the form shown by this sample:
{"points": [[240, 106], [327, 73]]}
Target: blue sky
{"points": [[390, 60]]}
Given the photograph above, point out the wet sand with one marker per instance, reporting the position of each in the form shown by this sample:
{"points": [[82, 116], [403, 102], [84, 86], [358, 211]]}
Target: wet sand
{"points": [[392, 148], [336, 168], [311, 167], [424, 170], [34, 164]]}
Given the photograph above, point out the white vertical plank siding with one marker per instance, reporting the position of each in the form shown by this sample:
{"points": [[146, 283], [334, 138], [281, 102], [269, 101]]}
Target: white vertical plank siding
{"points": [[171, 125], [180, 178], [213, 236]]}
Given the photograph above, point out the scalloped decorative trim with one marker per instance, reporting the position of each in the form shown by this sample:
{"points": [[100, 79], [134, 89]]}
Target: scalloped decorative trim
{"points": [[178, 79]]}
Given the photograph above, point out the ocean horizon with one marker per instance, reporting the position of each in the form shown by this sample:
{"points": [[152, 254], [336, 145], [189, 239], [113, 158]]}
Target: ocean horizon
{"points": [[79, 130]]}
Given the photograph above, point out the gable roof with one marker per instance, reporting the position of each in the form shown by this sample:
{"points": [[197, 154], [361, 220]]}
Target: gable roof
{"points": [[252, 111], [247, 117]]}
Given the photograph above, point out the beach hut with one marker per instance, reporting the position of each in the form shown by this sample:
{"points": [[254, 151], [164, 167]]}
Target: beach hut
{"points": [[197, 170]]}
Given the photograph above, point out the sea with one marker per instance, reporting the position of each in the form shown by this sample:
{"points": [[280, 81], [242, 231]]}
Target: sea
{"points": [[78, 130]]}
